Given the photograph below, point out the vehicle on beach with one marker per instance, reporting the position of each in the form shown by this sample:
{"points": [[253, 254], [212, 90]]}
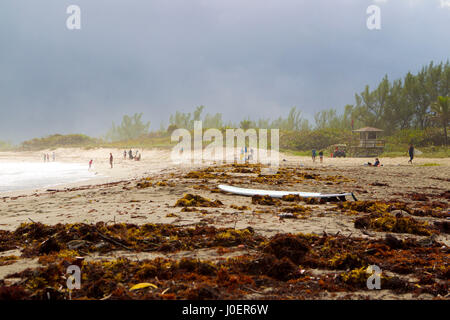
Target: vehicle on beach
{"points": [[338, 150]]}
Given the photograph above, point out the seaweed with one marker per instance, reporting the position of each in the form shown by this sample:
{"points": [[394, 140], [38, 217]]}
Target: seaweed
{"points": [[190, 200], [288, 246], [398, 224], [280, 263], [296, 209], [13, 292], [265, 200]]}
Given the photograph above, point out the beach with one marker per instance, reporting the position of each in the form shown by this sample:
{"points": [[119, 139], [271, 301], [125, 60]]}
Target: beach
{"points": [[148, 192]]}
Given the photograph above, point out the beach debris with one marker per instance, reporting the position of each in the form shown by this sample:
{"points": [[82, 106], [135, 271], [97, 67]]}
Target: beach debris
{"points": [[76, 244], [296, 209], [287, 215], [389, 223], [289, 246], [49, 245], [379, 184], [393, 242], [292, 198], [7, 260], [265, 201], [143, 285], [443, 226], [241, 208], [144, 184], [276, 266], [191, 200], [418, 197]]}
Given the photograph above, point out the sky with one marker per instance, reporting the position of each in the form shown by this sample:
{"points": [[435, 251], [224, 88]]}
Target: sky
{"points": [[241, 58]]}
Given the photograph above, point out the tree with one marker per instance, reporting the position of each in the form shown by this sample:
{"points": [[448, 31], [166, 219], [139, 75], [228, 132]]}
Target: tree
{"points": [[213, 121], [245, 124], [441, 111], [293, 122], [130, 128]]}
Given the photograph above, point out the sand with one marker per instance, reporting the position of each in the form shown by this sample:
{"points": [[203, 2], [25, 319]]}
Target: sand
{"points": [[112, 195], [95, 200]]}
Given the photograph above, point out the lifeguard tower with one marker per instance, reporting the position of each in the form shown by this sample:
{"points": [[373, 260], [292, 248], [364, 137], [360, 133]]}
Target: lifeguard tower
{"points": [[368, 144]]}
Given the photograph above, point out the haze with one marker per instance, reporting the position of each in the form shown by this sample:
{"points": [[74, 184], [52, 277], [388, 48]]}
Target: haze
{"points": [[237, 57]]}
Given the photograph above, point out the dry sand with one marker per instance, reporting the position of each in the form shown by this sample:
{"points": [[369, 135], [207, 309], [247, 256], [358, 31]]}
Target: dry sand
{"points": [[112, 195], [95, 200]]}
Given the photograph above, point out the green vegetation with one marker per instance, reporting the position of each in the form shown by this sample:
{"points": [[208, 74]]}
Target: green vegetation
{"points": [[441, 113], [404, 103], [130, 128], [58, 140], [414, 110]]}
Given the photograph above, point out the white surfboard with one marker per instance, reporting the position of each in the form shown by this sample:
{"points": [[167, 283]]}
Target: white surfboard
{"points": [[280, 194]]}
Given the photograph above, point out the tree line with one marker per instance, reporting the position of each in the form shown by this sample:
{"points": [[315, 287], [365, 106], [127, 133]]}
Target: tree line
{"points": [[416, 101]]}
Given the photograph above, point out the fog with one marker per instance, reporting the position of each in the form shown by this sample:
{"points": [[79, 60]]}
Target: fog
{"points": [[237, 57]]}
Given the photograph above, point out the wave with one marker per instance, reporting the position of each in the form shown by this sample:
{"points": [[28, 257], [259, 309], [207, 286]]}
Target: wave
{"points": [[32, 175]]}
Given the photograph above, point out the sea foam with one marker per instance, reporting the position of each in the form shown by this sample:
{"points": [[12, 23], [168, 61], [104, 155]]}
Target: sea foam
{"points": [[34, 175]]}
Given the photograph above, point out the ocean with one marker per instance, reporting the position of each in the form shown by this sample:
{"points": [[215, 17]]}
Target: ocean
{"points": [[34, 175]]}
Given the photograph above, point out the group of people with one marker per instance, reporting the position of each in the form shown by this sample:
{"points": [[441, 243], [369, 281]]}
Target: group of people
{"points": [[375, 164], [47, 157], [314, 155], [136, 157]]}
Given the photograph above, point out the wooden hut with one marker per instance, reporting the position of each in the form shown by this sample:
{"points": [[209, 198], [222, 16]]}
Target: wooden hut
{"points": [[368, 144]]}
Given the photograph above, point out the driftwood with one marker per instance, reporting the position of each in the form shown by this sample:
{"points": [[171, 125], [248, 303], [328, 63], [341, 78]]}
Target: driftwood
{"points": [[109, 239]]}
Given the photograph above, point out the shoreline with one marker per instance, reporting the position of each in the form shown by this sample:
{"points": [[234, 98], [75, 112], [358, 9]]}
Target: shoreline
{"points": [[127, 170]]}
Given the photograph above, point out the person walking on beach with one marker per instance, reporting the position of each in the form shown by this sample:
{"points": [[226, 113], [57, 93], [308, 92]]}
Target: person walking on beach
{"points": [[321, 156], [124, 154], [90, 164], [45, 157], [111, 159], [48, 157], [130, 154], [314, 154], [411, 153]]}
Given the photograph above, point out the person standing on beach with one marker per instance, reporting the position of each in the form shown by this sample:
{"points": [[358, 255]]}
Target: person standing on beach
{"points": [[48, 157], [90, 164], [314, 154], [111, 159], [411, 153], [321, 156], [124, 154], [45, 157]]}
